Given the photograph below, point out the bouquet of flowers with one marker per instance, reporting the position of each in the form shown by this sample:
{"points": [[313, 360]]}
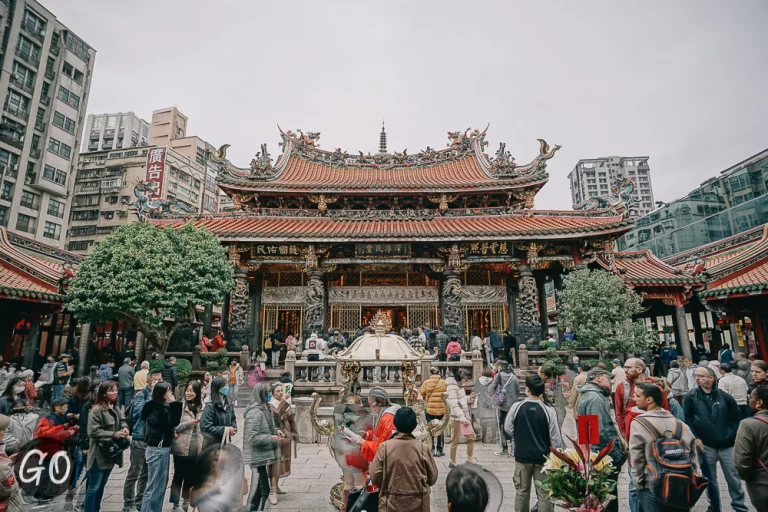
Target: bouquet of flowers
{"points": [[577, 478]]}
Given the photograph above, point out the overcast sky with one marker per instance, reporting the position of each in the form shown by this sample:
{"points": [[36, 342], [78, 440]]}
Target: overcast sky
{"points": [[682, 82]]}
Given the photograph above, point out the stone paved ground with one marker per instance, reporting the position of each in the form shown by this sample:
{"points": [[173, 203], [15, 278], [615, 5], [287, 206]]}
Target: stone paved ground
{"points": [[314, 472]]}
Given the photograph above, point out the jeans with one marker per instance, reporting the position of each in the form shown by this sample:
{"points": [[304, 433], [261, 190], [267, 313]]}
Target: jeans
{"points": [[124, 396], [522, 480], [649, 503], [57, 391], [439, 440], [158, 460], [79, 464], [505, 442], [634, 499], [725, 457], [136, 480], [489, 356], [713, 493], [259, 488], [97, 481]]}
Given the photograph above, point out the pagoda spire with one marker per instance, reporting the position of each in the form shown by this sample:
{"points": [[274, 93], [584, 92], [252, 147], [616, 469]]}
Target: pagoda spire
{"points": [[383, 140]]}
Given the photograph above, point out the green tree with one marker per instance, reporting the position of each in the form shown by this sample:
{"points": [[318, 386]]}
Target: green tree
{"points": [[149, 275], [600, 309]]}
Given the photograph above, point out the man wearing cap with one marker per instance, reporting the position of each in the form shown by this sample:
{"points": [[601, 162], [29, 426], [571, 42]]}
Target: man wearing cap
{"points": [[61, 373], [10, 497], [594, 401], [404, 468]]}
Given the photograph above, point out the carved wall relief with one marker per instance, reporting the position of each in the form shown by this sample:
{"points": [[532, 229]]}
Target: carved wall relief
{"points": [[451, 311], [238, 317], [314, 303]]}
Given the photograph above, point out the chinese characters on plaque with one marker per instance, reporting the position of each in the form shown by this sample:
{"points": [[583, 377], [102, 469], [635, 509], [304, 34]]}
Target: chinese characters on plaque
{"points": [[275, 251], [155, 172], [487, 249], [382, 250]]}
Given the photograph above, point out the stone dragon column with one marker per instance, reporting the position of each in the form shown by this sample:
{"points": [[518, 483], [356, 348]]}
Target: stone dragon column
{"points": [[529, 325], [239, 306], [451, 309], [314, 296]]}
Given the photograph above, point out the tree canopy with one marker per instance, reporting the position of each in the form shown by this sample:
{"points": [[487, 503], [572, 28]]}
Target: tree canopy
{"points": [[147, 275], [599, 307]]}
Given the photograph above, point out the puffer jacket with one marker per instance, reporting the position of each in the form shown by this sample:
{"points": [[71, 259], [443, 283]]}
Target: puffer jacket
{"points": [[750, 449], [187, 431], [716, 426], [678, 381], [258, 447], [457, 399], [511, 387], [171, 376], [432, 391], [595, 400]]}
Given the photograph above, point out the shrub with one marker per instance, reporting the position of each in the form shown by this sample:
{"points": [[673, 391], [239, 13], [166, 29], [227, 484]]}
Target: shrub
{"points": [[183, 366]]}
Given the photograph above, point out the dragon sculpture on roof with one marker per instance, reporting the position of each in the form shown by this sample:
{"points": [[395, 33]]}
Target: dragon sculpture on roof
{"points": [[150, 208], [619, 202]]}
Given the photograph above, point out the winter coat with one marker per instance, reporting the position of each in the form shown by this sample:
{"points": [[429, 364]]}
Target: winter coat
{"points": [[22, 427], [678, 381], [744, 370], [716, 426], [624, 403], [125, 376], [383, 432], [51, 432], [511, 387], [750, 448], [102, 425], [432, 391], [187, 432], [404, 470], [258, 447], [160, 420], [482, 408], [578, 381], [532, 425], [642, 442], [457, 400], [171, 376], [105, 372], [677, 410], [216, 416], [453, 348], [595, 400], [357, 419], [734, 386], [476, 344], [496, 342]]}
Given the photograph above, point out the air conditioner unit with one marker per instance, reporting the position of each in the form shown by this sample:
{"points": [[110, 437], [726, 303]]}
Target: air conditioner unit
{"points": [[15, 167]]}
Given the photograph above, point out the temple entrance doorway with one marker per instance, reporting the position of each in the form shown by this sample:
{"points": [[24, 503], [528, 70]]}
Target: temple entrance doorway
{"points": [[485, 318], [286, 318]]}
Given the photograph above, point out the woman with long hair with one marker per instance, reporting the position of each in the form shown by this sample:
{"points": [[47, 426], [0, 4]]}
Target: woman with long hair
{"points": [[160, 420], [219, 416], [76, 401], [14, 391], [187, 446], [260, 439], [30, 391], [285, 423], [205, 388], [354, 418], [105, 421], [457, 400]]}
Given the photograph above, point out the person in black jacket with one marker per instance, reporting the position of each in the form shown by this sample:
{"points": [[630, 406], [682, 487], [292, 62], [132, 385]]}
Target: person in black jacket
{"points": [[161, 415], [714, 419], [171, 374], [218, 416]]}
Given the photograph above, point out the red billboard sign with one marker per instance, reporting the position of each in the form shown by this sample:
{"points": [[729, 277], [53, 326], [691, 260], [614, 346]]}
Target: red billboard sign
{"points": [[155, 172]]}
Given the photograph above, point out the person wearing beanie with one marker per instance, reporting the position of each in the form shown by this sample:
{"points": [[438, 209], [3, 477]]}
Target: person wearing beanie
{"points": [[369, 441], [404, 468]]}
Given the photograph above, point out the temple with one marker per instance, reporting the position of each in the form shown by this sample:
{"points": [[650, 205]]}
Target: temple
{"points": [[445, 237]]}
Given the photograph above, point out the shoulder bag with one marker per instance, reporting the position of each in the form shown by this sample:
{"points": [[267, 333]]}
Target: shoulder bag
{"points": [[363, 499]]}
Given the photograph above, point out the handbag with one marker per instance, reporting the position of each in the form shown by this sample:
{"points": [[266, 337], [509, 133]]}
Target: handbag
{"points": [[228, 440], [363, 499], [113, 447]]}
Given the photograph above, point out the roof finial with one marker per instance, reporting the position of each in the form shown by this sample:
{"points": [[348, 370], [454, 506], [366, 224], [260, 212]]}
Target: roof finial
{"points": [[383, 140]]}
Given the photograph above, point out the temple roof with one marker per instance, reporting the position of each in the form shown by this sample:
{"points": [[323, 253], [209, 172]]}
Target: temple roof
{"points": [[714, 253], [745, 271], [549, 224], [26, 275], [643, 268], [463, 166]]}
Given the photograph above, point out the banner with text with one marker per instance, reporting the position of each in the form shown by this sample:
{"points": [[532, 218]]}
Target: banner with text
{"points": [[155, 172]]}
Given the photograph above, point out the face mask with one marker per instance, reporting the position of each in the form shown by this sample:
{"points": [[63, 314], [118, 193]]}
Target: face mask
{"points": [[224, 390], [269, 397]]}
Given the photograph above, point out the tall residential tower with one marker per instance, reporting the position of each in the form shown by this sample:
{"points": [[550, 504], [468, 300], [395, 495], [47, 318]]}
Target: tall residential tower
{"points": [[592, 177], [104, 132]]}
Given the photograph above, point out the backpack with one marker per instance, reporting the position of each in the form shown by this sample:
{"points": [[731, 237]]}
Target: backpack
{"points": [[670, 472], [500, 395], [128, 414]]}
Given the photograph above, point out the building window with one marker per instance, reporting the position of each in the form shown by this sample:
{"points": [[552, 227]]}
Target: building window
{"points": [[7, 192], [52, 230], [28, 50], [85, 215], [61, 149], [56, 208], [3, 216], [79, 246], [76, 46], [33, 23], [23, 75], [70, 98], [63, 122], [111, 200], [25, 223], [17, 104], [55, 175], [29, 200]]}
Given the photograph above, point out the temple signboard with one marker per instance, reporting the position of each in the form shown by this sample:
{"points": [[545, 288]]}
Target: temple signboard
{"points": [[487, 249], [275, 251], [383, 250]]}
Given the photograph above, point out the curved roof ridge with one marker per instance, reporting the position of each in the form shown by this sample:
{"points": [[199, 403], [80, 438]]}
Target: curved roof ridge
{"points": [[741, 239], [743, 260], [32, 266]]}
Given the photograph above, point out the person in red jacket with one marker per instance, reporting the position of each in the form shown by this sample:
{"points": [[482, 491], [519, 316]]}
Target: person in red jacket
{"points": [[624, 402], [218, 342], [51, 433], [453, 350], [370, 441]]}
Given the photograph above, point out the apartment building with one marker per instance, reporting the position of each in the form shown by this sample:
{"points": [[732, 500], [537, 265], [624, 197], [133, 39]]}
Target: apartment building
{"points": [[45, 83], [122, 130], [593, 177]]}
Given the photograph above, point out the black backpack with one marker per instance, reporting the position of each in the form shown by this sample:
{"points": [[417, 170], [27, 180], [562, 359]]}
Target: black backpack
{"points": [[670, 475]]}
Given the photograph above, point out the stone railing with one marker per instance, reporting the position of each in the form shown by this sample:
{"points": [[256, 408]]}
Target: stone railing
{"points": [[526, 357], [244, 357]]}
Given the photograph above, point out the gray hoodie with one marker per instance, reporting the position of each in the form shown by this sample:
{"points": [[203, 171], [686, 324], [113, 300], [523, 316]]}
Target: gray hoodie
{"points": [[678, 381]]}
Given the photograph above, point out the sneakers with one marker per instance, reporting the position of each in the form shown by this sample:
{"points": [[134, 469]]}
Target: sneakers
{"points": [[185, 505], [273, 497], [502, 453], [176, 508], [439, 453], [280, 491], [451, 465]]}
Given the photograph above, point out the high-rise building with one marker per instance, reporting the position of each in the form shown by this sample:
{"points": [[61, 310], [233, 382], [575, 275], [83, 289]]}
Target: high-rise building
{"points": [[593, 178], [723, 206], [45, 80], [122, 130]]}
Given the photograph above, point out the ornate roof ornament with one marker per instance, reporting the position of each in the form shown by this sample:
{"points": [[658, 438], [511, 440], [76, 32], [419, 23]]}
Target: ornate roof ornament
{"points": [[376, 215], [148, 207], [503, 164], [619, 202]]}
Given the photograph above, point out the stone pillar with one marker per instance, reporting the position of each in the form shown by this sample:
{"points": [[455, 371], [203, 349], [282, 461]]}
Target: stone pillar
{"points": [[451, 310], [530, 327], [512, 293], [141, 347], [477, 365], [303, 422], [523, 354], [558, 280], [682, 331], [32, 345], [240, 310], [85, 334], [207, 320], [314, 304], [541, 285], [254, 341], [290, 364], [224, 324]]}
